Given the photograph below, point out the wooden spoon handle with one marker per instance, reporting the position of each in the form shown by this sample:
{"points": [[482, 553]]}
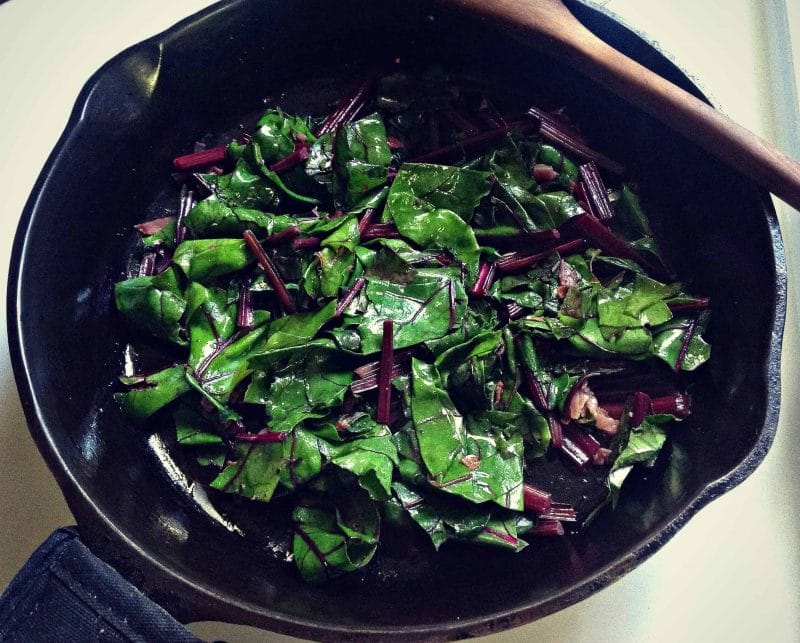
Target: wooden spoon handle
{"points": [[558, 32]]}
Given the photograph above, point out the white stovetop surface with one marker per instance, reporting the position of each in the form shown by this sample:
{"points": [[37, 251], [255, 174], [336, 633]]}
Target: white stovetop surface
{"points": [[732, 574]]}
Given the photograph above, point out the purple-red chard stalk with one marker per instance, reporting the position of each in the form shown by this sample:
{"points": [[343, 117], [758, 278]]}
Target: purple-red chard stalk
{"points": [[348, 107], [349, 296], [584, 441], [486, 272], [306, 243], [472, 145], [380, 231], [517, 261], [535, 500], [561, 511], [272, 273], [687, 339], [599, 235], [547, 528], [596, 194], [696, 304], [244, 314], [385, 375], [284, 236], [640, 408], [462, 123], [574, 454], [200, 159], [554, 131], [265, 437], [365, 221]]}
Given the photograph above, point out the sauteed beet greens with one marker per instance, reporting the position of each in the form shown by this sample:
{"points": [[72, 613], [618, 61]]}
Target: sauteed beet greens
{"points": [[398, 312]]}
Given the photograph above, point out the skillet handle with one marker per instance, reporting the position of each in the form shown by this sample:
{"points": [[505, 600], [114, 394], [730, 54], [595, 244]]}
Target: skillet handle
{"points": [[550, 26], [64, 592]]}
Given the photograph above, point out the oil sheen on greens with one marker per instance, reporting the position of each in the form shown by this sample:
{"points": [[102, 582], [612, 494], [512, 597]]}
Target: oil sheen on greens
{"points": [[281, 405]]}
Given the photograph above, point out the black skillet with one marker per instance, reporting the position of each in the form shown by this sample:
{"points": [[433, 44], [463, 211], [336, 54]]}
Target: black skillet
{"points": [[204, 76]]}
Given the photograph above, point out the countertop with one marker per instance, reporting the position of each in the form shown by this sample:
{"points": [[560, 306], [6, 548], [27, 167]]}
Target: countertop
{"points": [[732, 574]]}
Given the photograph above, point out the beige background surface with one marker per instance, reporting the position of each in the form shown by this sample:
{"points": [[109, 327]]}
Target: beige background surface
{"points": [[732, 574]]}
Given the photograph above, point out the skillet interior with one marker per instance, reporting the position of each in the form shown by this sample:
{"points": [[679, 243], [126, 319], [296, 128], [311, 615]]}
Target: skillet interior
{"points": [[206, 76]]}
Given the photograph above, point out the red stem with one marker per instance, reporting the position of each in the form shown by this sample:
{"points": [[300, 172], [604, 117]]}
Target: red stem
{"points": [[640, 409], [349, 296], [385, 375], [687, 338], [292, 160], [200, 159], [556, 431], [380, 231], [698, 303], [473, 144], [516, 261], [552, 130], [535, 500], [272, 274], [486, 272], [284, 236], [596, 194], [583, 440], [365, 221], [265, 437], [598, 235], [347, 108], [576, 456], [546, 528], [244, 315], [306, 243], [461, 122]]}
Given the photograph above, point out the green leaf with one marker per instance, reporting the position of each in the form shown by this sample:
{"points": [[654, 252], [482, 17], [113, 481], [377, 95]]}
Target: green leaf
{"points": [[635, 343], [296, 330], [192, 429], [372, 459], [479, 466], [303, 390], [419, 309], [275, 137], [630, 215], [303, 453], [210, 320], [212, 217], [255, 473], [202, 260], [432, 205], [332, 538], [153, 304], [668, 340], [345, 235], [362, 156], [641, 445], [230, 365], [319, 165], [479, 346], [241, 188], [164, 237], [549, 155], [445, 518], [152, 392]]}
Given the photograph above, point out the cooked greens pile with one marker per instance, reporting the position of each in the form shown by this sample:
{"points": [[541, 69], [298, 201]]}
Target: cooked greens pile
{"points": [[395, 314]]}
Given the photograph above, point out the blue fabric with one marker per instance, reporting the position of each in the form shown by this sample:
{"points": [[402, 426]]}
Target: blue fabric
{"points": [[65, 593]]}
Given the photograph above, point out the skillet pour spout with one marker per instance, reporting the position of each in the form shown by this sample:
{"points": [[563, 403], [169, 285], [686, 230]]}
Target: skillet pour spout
{"points": [[139, 513]]}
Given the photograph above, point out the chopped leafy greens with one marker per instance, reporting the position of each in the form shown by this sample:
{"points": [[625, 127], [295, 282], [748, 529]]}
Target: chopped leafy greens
{"points": [[369, 339]]}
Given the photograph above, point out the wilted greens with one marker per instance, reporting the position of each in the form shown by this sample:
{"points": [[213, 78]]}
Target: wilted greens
{"points": [[394, 315]]}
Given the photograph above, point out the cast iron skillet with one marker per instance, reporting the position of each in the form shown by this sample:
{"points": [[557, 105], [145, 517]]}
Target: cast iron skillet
{"points": [[203, 76]]}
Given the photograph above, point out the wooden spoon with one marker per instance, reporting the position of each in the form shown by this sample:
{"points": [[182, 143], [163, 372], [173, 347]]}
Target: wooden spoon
{"points": [[550, 26]]}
